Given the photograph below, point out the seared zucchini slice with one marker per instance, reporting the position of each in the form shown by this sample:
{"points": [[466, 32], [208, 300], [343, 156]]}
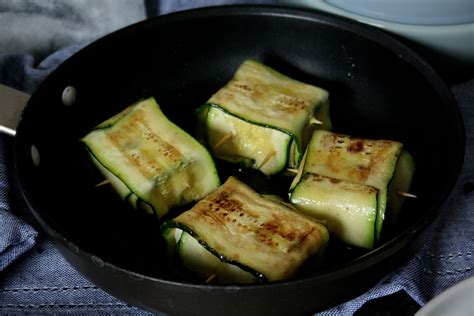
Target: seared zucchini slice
{"points": [[350, 209], [243, 237], [375, 163], [265, 117], [150, 161]]}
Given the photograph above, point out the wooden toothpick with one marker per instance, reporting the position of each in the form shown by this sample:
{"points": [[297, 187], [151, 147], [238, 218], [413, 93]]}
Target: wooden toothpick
{"points": [[225, 138], [187, 185], [292, 170], [211, 278], [106, 181], [405, 194], [315, 121], [267, 157]]}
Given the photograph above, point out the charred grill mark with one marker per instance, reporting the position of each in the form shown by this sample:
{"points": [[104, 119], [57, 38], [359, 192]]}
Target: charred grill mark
{"points": [[346, 184], [313, 177], [273, 230], [356, 146], [223, 202], [369, 148], [302, 238], [223, 209], [166, 149], [361, 172], [280, 102], [253, 90], [333, 160], [244, 87], [134, 158], [144, 161], [367, 151], [289, 104], [339, 140]]}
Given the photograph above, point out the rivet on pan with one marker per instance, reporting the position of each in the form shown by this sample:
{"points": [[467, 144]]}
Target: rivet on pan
{"points": [[69, 95], [35, 156], [97, 261], [74, 248]]}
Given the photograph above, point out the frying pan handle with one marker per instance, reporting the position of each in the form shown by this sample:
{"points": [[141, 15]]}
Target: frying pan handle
{"points": [[12, 103]]}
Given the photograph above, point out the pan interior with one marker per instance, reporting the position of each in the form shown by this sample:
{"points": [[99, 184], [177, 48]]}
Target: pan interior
{"points": [[377, 90]]}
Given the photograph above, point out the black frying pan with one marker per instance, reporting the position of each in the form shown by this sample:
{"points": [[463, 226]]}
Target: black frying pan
{"points": [[378, 88]]}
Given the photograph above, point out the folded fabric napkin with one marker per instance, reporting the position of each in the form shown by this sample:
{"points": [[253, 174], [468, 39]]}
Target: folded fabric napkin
{"points": [[16, 236], [38, 27], [34, 278]]}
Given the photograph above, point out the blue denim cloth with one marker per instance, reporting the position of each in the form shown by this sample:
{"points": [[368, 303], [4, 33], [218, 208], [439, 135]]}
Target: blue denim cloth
{"points": [[16, 236], [35, 279]]}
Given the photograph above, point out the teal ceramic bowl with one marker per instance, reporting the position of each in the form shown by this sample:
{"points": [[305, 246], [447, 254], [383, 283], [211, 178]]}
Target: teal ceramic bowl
{"points": [[444, 27]]}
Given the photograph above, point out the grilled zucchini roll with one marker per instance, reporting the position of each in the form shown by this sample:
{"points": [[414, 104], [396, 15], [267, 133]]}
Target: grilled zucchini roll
{"points": [[350, 182], [261, 118], [350, 209], [150, 161], [239, 236]]}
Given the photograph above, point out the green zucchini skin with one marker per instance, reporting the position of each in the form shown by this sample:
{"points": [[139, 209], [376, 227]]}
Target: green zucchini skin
{"points": [[260, 96], [374, 163], [149, 160]]}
